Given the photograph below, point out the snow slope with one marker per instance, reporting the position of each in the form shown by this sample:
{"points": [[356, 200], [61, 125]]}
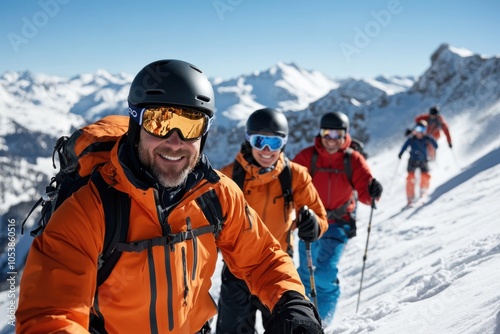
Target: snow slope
{"points": [[431, 269]]}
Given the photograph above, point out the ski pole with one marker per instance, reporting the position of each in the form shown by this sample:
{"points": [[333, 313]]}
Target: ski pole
{"points": [[311, 274], [394, 176], [455, 159], [366, 251]]}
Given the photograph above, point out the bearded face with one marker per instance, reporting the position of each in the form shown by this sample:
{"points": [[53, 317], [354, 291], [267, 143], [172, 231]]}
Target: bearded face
{"points": [[169, 159]]}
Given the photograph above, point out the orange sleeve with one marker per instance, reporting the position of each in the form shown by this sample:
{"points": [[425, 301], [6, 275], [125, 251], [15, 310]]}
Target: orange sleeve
{"points": [[59, 279], [305, 193], [227, 170], [252, 253]]}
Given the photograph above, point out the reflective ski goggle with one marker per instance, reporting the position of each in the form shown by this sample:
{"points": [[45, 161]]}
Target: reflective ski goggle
{"points": [[332, 133], [420, 129], [259, 142], [161, 121]]}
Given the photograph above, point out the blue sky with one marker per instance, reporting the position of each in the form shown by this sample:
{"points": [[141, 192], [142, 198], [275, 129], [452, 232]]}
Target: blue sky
{"points": [[226, 38]]}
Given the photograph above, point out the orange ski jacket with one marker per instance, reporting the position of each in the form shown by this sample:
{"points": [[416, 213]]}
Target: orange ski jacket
{"points": [[330, 179], [161, 289], [264, 194]]}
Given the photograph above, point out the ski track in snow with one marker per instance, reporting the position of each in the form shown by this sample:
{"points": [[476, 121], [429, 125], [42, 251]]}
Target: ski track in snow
{"points": [[420, 271], [428, 268]]}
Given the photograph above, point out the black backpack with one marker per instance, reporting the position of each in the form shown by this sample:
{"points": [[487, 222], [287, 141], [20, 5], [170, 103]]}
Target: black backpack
{"points": [[79, 156]]}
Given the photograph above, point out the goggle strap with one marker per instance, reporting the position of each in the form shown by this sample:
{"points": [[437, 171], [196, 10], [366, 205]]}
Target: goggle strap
{"points": [[136, 113]]}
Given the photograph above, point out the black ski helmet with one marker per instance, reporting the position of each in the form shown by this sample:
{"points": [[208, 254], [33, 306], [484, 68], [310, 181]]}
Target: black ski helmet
{"points": [[170, 82], [434, 110], [267, 120], [335, 120]]}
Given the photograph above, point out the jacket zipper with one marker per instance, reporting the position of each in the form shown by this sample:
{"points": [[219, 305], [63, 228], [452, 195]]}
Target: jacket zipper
{"points": [[163, 218], [195, 249], [184, 271], [152, 281], [170, 308]]}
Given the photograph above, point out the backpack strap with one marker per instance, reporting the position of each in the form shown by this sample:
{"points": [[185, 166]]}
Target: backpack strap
{"points": [[238, 174], [314, 159], [116, 205], [347, 165], [210, 205], [285, 178]]}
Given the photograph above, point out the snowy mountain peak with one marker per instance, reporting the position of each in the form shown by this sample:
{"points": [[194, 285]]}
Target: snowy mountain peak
{"points": [[445, 51], [284, 86], [456, 72]]}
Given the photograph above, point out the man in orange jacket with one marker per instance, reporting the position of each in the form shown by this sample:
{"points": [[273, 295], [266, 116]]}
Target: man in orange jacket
{"points": [[163, 288], [258, 168], [435, 124], [326, 161]]}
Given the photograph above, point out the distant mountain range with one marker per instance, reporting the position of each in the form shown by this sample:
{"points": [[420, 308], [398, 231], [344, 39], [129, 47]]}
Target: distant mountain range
{"points": [[36, 109]]}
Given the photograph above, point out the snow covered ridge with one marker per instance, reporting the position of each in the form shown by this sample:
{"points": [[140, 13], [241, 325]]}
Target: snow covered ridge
{"points": [[458, 72], [40, 107]]}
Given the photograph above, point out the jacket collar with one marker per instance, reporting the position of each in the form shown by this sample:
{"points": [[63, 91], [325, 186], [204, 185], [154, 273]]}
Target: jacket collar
{"points": [[256, 173]]}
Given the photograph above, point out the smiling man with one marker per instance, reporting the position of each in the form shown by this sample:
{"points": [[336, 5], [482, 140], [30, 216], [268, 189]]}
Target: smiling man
{"points": [[342, 177]]}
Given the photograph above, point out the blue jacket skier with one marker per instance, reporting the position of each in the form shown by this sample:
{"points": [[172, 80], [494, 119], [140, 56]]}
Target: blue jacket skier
{"points": [[419, 157]]}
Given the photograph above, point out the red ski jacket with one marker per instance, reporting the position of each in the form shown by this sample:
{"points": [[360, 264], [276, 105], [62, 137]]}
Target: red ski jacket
{"points": [[330, 179], [435, 125]]}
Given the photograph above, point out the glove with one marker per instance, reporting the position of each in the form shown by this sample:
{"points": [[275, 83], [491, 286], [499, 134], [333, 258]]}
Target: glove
{"points": [[308, 225], [399, 155], [449, 144], [294, 314], [375, 189], [407, 132]]}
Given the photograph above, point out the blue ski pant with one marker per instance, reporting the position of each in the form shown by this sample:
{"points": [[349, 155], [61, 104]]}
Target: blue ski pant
{"points": [[326, 253]]}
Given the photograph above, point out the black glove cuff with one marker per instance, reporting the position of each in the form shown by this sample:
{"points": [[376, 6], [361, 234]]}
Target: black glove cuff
{"points": [[294, 314]]}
